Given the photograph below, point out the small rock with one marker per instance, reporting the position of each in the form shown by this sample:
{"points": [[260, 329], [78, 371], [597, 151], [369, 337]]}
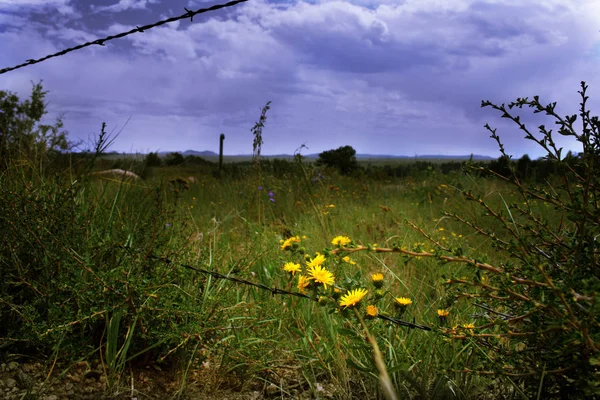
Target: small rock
{"points": [[12, 366], [255, 395], [10, 383], [51, 397], [68, 386], [23, 380], [93, 374], [3, 367]]}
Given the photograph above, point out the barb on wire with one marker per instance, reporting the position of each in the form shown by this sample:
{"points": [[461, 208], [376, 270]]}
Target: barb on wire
{"points": [[274, 290], [189, 14]]}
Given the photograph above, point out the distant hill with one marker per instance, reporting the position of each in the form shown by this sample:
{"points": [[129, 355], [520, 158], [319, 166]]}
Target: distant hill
{"points": [[205, 153], [363, 156], [211, 155]]}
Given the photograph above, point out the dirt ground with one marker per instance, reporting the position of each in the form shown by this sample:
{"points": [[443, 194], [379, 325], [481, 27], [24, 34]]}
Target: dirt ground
{"points": [[85, 381]]}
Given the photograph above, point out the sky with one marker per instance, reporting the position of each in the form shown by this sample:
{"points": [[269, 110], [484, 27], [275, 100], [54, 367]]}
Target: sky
{"points": [[400, 77]]}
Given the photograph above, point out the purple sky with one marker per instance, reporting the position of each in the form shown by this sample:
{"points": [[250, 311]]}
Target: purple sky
{"points": [[384, 76]]}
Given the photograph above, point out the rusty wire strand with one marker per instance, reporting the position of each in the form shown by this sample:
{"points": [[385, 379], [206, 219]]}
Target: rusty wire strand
{"points": [[274, 290], [189, 14]]}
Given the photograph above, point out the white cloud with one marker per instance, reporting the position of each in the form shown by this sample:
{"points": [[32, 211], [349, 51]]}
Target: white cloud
{"points": [[62, 6], [339, 72], [123, 5]]}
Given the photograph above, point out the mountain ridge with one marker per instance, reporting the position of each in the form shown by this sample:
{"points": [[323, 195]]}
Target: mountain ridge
{"points": [[359, 156]]}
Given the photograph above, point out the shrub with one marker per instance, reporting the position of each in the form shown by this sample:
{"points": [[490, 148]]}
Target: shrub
{"points": [[21, 134], [541, 323]]}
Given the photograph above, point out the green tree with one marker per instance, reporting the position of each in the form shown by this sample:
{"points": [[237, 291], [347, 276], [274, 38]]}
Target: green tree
{"points": [[173, 159], [342, 158], [153, 160], [524, 167], [22, 136]]}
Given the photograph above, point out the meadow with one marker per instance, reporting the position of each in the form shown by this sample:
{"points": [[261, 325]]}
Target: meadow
{"points": [[290, 280]]}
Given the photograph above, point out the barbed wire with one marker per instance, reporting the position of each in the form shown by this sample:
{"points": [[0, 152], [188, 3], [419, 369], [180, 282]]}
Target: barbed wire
{"points": [[189, 14], [274, 290]]}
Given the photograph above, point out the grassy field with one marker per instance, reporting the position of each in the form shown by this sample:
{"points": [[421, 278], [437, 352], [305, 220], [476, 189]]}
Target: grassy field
{"points": [[283, 279], [105, 242]]}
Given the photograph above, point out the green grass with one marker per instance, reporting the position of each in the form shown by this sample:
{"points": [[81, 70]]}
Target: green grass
{"points": [[129, 305]]}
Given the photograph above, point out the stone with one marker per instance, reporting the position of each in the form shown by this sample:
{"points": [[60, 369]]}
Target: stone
{"points": [[24, 380]]}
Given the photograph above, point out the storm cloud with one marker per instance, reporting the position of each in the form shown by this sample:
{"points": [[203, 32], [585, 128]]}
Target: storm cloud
{"points": [[386, 77]]}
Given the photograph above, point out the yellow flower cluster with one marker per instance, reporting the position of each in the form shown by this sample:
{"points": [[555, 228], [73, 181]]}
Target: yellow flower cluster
{"points": [[315, 273]]}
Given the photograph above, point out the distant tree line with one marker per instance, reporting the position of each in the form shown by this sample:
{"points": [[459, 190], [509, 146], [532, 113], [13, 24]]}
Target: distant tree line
{"points": [[343, 160]]}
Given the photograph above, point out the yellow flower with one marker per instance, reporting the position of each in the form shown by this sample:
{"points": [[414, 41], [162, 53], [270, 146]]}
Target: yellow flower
{"points": [[341, 241], [469, 326], [403, 301], [320, 275], [352, 297], [348, 260], [292, 267], [288, 242], [372, 311], [303, 283], [316, 262]]}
